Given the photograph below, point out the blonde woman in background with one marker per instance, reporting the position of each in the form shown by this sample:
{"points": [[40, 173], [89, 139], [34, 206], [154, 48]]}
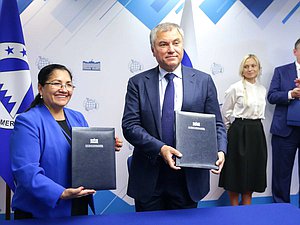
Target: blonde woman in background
{"points": [[244, 171]]}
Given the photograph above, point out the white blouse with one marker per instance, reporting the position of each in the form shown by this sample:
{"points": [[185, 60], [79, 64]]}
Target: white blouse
{"points": [[244, 100]]}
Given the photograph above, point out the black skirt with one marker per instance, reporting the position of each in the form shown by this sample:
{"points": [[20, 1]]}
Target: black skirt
{"points": [[246, 159]]}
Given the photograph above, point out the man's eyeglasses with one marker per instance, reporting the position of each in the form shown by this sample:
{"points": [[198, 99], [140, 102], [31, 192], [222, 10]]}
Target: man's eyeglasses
{"points": [[57, 85]]}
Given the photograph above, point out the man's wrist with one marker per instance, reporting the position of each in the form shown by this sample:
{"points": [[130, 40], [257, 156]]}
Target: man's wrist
{"points": [[290, 97]]}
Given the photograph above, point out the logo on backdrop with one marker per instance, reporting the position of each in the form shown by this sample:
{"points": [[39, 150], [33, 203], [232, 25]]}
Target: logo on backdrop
{"points": [[135, 66], [216, 68], [91, 65], [42, 62], [90, 104]]}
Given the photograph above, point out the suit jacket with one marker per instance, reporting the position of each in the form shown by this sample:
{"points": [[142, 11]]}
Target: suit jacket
{"points": [[41, 162], [282, 82], [141, 126]]}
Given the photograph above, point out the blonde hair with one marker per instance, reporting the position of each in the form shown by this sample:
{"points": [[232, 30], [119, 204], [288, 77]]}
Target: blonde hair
{"points": [[246, 57]]}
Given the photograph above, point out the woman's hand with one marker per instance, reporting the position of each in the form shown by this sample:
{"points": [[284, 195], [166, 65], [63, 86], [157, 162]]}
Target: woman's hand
{"points": [[118, 144], [70, 193]]}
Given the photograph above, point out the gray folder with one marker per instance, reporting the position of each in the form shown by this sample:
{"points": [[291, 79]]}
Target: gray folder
{"points": [[93, 158], [293, 115], [196, 139]]}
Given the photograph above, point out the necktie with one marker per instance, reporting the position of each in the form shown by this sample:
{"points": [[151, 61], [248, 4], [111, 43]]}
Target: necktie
{"points": [[167, 119]]}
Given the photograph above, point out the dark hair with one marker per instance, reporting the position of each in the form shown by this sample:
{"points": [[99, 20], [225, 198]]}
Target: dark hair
{"points": [[297, 44], [43, 77]]}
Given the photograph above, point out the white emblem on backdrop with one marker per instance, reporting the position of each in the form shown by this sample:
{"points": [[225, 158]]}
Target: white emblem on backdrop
{"points": [[42, 62], [91, 65], [135, 66], [90, 104], [216, 68]]}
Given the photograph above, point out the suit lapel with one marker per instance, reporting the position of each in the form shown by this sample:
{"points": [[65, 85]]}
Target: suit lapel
{"points": [[52, 124], [189, 84], [71, 120], [292, 71], [152, 90]]}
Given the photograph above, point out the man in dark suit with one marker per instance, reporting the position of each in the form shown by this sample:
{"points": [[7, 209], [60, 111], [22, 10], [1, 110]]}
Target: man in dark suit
{"points": [[285, 138], [155, 182]]}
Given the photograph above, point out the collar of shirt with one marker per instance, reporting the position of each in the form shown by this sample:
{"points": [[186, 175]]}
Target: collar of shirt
{"points": [[178, 98], [163, 72], [298, 68]]}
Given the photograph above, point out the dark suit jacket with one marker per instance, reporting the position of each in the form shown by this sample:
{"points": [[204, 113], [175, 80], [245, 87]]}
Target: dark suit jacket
{"points": [[141, 125], [282, 82]]}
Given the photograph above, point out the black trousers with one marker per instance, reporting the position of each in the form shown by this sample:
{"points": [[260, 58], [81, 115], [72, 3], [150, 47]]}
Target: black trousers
{"points": [[19, 214], [170, 193], [79, 208], [284, 151]]}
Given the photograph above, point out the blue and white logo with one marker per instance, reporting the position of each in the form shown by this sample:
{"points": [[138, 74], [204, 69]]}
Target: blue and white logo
{"points": [[91, 65], [14, 84], [15, 81]]}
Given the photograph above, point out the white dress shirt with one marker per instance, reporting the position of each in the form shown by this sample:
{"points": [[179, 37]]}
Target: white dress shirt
{"points": [[163, 82], [244, 100], [298, 69], [298, 75]]}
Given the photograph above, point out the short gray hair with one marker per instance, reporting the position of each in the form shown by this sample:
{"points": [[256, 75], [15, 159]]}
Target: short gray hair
{"points": [[163, 27]]}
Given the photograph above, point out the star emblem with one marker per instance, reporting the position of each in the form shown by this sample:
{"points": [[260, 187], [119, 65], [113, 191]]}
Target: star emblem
{"points": [[9, 50], [23, 52]]}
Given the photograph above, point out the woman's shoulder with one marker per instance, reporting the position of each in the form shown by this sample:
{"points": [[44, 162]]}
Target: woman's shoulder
{"points": [[30, 119], [235, 86], [75, 115], [32, 113], [260, 85], [73, 112]]}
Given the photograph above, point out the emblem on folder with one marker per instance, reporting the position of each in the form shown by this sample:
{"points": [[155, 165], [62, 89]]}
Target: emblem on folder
{"points": [[94, 141], [196, 125]]}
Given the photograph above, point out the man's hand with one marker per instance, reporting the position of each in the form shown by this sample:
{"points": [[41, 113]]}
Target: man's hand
{"points": [[168, 152], [296, 92], [219, 162], [297, 82], [70, 193]]}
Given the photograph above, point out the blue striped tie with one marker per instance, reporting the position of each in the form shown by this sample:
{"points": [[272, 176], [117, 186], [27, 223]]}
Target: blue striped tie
{"points": [[167, 119]]}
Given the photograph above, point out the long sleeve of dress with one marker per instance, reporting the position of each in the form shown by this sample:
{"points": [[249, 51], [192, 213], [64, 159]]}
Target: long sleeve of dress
{"points": [[228, 106]]}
